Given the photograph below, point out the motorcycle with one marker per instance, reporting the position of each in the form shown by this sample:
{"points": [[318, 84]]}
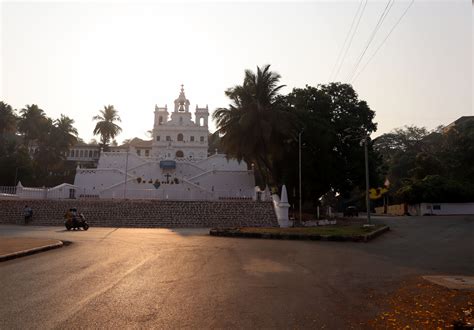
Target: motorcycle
{"points": [[76, 222]]}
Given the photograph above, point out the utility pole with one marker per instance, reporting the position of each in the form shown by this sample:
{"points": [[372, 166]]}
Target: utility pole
{"points": [[299, 157], [367, 185], [126, 170]]}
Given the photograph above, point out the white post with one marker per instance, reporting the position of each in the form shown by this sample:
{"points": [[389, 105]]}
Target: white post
{"points": [[281, 208]]}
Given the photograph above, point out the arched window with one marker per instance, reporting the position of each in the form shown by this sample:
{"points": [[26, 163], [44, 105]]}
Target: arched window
{"points": [[157, 138], [180, 137], [201, 139], [201, 121], [160, 120], [181, 120], [179, 154], [191, 138]]}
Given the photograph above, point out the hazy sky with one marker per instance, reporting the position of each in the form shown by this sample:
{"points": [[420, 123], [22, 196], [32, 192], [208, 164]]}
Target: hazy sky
{"points": [[76, 57]]}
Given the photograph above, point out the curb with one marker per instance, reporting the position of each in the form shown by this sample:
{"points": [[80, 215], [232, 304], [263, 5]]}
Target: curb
{"points": [[376, 233], [234, 232], [28, 252]]}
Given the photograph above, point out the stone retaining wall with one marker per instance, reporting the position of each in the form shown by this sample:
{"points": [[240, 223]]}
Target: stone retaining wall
{"points": [[144, 213]]}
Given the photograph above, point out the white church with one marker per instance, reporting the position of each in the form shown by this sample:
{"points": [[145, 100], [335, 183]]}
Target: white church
{"points": [[176, 167]]}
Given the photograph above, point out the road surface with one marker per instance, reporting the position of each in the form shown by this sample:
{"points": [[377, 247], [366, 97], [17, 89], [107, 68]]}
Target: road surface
{"points": [[143, 278]]}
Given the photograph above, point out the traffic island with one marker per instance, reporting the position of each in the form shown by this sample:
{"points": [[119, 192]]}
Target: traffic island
{"points": [[354, 233], [15, 247]]}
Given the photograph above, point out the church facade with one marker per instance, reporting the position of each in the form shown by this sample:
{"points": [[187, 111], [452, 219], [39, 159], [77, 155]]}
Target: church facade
{"points": [[176, 135], [176, 167]]}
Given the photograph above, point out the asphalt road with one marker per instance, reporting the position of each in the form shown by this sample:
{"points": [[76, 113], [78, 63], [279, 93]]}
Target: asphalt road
{"points": [[144, 278]]}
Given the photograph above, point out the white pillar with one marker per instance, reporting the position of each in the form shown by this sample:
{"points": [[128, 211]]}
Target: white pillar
{"points": [[281, 208]]}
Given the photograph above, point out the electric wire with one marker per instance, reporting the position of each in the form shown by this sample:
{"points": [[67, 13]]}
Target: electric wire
{"points": [[383, 42], [345, 40], [372, 36], [351, 39]]}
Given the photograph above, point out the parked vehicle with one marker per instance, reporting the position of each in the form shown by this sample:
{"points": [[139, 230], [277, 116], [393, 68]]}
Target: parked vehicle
{"points": [[351, 211], [75, 220]]}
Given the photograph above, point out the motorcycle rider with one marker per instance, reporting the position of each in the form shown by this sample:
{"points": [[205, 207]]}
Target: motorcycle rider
{"points": [[71, 216]]}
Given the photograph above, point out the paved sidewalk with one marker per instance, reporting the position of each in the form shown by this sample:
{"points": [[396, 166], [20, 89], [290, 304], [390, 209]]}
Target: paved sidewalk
{"points": [[15, 247]]}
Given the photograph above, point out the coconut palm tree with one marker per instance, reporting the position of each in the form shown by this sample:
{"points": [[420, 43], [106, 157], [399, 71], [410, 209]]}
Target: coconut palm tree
{"points": [[65, 132], [254, 127], [33, 123], [7, 119], [106, 126]]}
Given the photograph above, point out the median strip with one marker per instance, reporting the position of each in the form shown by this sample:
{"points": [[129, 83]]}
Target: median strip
{"points": [[354, 233]]}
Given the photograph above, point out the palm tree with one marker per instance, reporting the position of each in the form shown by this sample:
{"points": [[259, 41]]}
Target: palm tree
{"points": [[255, 126], [106, 126], [7, 119], [33, 123], [66, 132]]}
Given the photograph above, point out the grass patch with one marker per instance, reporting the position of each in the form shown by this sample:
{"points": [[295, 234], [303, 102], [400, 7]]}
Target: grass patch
{"points": [[344, 231]]}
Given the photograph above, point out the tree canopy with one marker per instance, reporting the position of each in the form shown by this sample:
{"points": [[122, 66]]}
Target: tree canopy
{"points": [[429, 166], [254, 125], [32, 131]]}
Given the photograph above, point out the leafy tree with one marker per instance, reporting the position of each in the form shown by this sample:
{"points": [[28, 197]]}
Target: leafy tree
{"points": [[106, 125], [214, 143], [429, 166], [333, 122], [254, 126]]}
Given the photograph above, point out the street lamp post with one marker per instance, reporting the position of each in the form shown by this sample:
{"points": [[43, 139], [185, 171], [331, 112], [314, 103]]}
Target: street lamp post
{"points": [[365, 141], [299, 174], [367, 185], [126, 170]]}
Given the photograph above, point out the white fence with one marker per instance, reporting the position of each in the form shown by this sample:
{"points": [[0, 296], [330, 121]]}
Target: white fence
{"points": [[67, 191], [63, 191]]}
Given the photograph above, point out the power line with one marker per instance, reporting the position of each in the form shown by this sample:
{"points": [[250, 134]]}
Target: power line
{"points": [[350, 41], [372, 36], [345, 40], [383, 42]]}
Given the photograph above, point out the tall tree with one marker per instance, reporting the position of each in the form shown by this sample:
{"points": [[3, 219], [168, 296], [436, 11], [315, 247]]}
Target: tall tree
{"points": [[33, 123], [333, 122], [255, 126], [106, 125], [8, 119], [429, 166], [65, 132]]}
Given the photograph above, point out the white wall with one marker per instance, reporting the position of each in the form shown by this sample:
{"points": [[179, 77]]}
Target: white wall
{"points": [[220, 162], [97, 179], [119, 160], [181, 191], [228, 183], [446, 208]]}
